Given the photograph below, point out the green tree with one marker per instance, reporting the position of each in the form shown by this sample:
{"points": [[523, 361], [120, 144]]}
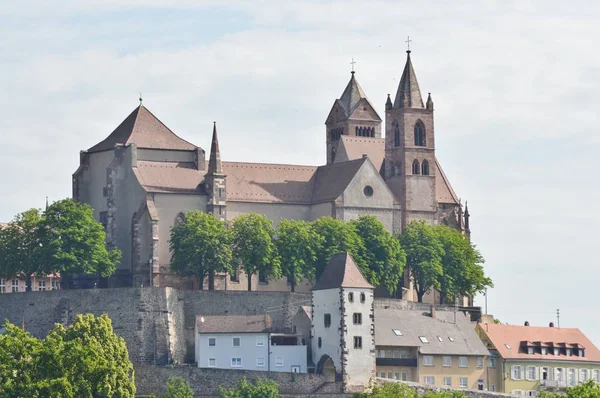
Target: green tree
{"points": [[261, 388], [337, 236], [87, 360], [462, 270], [423, 256], [589, 389], [297, 245], [177, 387], [200, 247], [381, 252], [74, 242], [254, 246]]}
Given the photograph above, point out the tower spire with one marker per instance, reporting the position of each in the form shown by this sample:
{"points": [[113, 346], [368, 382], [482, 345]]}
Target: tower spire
{"points": [[408, 94], [214, 163]]}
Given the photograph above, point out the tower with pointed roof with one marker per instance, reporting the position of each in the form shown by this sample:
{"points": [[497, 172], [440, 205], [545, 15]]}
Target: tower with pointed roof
{"points": [[215, 181], [343, 333], [410, 165], [351, 115]]}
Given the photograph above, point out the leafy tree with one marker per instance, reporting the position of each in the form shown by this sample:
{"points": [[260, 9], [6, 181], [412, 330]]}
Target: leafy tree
{"points": [[390, 390], [254, 246], [463, 273], [261, 388], [200, 246], [337, 236], [74, 242], [589, 389], [177, 387], [381, 252], [297, 245], [87, 359], [423, 256], [65, 238]]}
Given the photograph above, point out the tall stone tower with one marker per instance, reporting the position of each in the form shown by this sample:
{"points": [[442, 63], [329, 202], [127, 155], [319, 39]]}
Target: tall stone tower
{"points": [[215, 181], [343, 331], [410, 166], [352, 114]]}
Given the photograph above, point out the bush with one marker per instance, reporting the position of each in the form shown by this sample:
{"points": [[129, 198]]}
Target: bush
{"points": [[261, 388]]}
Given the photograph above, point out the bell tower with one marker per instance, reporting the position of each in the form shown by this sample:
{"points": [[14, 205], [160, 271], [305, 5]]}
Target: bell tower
{"points": [[351, 115], [410, 165]]}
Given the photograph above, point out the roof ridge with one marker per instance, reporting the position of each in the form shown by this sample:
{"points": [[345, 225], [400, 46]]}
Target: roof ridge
{"points": [[161, 122]]}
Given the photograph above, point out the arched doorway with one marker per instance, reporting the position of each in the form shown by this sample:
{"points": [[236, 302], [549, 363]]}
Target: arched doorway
{"points": [[326, 367]]}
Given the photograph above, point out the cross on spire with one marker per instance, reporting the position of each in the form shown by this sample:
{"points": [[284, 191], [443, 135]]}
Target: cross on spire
{"points": [[408, 40], [352, 63], [140, 98]]}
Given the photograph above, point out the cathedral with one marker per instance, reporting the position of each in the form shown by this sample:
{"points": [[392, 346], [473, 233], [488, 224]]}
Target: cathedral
{"points": [[143, 178]]}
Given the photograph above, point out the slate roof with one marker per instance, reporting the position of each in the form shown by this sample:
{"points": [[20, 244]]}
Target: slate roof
{"points": [[331, 180], [341, 271], [408, 88], [413, 324], [513, 335], [233, 324], [144, 129]]}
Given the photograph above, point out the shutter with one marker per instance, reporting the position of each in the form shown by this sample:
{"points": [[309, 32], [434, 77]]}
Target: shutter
{"points": [[512, 372], [523, 369], [537, 373]]}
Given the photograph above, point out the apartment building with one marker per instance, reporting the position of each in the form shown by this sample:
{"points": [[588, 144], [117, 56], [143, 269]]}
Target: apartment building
{"points": [[529, 359], [438, 348], [38, 284]]}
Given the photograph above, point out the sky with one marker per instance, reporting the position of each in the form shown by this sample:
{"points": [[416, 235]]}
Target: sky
{"points": [[514, 83]]}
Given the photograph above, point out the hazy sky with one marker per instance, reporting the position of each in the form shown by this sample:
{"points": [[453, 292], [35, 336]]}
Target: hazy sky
{"points": [[515, 85]]}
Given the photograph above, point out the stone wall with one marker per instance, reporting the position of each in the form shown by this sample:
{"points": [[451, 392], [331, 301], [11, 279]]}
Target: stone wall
{"points": [[155, 322], [422, 389], [206, 382]]}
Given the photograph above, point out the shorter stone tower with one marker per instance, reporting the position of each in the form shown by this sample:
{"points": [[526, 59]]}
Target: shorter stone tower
{"points": [[343, 330], [215, 182]]}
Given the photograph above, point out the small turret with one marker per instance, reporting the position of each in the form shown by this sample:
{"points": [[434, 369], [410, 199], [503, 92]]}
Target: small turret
{"points": [[429, 102], [215, 181], [388, 104], [214, 164], [467, 215]]}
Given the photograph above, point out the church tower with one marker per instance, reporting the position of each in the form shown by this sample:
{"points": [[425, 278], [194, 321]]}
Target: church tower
{"points": [[215, 182], [410, 165], [353, 115]]}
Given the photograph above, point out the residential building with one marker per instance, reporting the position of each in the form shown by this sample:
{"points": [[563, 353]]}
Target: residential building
{"points": [[247, 342], [38, 284], [438, 348], [342, 324], [142, 178], [529, 359]]}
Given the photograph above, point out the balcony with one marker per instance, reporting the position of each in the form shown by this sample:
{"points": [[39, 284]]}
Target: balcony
{"points": [[396, 362], [553, 384]]}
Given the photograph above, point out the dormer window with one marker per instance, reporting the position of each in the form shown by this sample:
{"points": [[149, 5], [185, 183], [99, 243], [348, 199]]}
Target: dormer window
{"points": [[580, 352], [568, 352], [544, 351], [530, 350], [556, 351]]}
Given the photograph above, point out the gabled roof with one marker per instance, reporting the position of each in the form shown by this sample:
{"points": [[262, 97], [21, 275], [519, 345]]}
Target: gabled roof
{"points": [[233, 324], [351, 147], [332, 180], [456, 338], [341, 271], [144, 129], [501, 335], [443, 190], [408, 94]]}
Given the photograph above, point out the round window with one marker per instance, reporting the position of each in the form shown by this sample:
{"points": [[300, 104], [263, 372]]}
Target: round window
{"points": [[368, 190]]}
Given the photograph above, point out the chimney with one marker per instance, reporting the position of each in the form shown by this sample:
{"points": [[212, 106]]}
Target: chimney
{"points": [[432, 311], [526, 323], [551, 324], [364, 155]]}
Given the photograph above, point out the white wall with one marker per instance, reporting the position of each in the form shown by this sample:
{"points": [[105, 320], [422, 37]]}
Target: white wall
{"points": [[292, 355], [360, 362], [224, 350], [327, 302]]}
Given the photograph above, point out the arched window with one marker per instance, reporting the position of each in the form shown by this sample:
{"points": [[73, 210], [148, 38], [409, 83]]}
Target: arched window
{"points": [[396, 133], [415, 167], [419, 134], [425, 168]]}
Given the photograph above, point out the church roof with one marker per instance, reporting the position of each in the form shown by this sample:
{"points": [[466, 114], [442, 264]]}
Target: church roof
{"points": [[341, 271], [332, 180], [443, 190], [408, 94], [351, 147], [352, 96], [144, 129]]}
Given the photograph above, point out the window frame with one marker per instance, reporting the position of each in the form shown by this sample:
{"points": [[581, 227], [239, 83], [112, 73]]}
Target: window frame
{"points": [[513, 374], [446, 361], [460, 382], [492, 362], [463, 362], [480, 362], [429, 380], [15, 286], [2, 285], [428, 360], [358, 342], [528, 374], [258, 363], [214, 340], [214, 365], [239, 340], [260, 341], [447, 379], [357, 318], [236, 359], [419, 134]]}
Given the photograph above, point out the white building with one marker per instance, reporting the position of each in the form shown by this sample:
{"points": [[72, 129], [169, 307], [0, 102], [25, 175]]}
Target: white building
{"points": [[343, 335], [247, 342]]}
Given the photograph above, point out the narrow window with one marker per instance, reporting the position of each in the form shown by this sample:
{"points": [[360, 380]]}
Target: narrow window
{"points": [[416, 167], [492, 362], [480, 362], [327, 320], [362, 297], [351, 297], [419, 134], [357, 342], [262, 278], [236, 341], [2, 285], [357, 318], [396, 133], [15, 285], [212, 341], [320, 342], [530, 350], [464, 382], [425, 168]]}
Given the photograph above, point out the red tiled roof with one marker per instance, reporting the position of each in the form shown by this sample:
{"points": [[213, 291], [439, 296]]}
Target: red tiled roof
{"points": [[144, 129], [513, 335], [341, 271], [356, 147], [443, 190]]}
